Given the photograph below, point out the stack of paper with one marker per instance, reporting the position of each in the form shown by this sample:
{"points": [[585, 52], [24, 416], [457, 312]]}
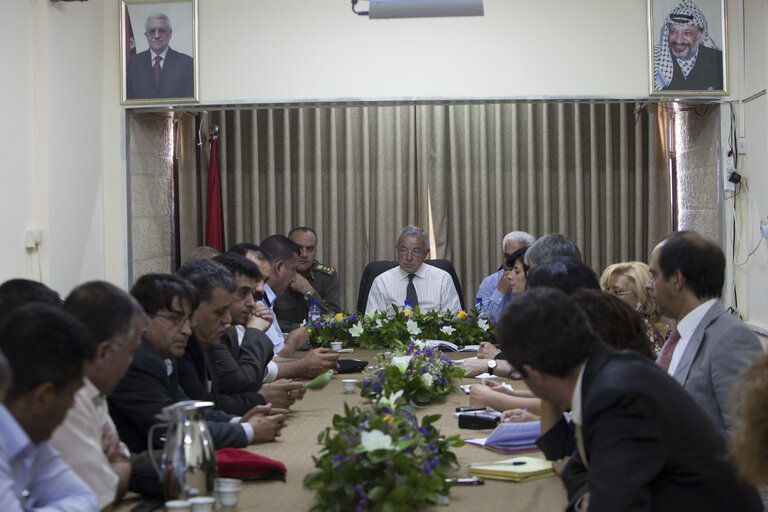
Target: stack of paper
{"points": [[518, 469], [510, 437]]}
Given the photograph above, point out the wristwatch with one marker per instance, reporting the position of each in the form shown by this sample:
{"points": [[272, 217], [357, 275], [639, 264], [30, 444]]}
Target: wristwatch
{"points": [[308, 296], [491, 366]]}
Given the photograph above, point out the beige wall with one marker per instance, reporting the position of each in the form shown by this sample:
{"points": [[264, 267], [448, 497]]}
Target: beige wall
{"points": [[64, 140]]}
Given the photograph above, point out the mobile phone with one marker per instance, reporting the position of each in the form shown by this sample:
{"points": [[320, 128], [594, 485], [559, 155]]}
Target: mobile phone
{"points": [[472, 480], [467, 409]]}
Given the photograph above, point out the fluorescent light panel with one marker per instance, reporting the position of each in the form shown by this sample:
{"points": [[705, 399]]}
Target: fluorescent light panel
{"points": [[424, 8]]}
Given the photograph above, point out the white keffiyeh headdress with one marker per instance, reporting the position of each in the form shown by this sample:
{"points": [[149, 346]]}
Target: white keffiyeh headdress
{"points": [[686, 13]]}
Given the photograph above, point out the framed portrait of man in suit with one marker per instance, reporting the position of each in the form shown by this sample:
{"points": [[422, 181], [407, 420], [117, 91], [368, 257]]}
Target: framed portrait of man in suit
{"points": [[687, 48], [158, 52]]}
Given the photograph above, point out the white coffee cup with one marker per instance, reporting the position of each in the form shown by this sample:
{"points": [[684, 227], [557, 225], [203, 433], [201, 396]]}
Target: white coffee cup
{"points": [[202, 503], [349, 385], [228, 498], [227, 484], [178, 506], [336, 346]]}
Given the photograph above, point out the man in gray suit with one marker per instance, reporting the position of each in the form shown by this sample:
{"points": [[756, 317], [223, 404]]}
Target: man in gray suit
{"points": [[709, 346]]}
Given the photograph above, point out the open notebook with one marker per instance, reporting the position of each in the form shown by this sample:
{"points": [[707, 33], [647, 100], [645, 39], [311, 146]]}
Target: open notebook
{"points": [[511, 437]]}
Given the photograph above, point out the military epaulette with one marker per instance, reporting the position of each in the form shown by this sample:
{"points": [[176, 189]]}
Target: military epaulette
{"points": [[325, 269]]}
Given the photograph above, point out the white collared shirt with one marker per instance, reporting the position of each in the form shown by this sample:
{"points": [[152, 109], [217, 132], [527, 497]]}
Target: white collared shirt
{"points": [[274, 333], [162, 55], [434, 289], [577, 415], [686, 327]]}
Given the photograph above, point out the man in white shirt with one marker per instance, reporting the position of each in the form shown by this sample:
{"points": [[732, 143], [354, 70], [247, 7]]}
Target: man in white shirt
{"points": [[425, 286], [709, 346], [46, 349], [87, 439]]}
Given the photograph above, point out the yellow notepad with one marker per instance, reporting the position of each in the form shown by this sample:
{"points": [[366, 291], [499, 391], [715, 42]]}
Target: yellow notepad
{"points": [[517, 469]]}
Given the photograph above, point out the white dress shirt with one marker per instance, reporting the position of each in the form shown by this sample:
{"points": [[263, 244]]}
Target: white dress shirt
{"points": [[686, 327], [274, 333], [434, 289], [78, 439]]}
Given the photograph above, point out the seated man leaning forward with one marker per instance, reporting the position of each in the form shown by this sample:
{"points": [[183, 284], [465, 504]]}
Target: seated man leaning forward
{"points": [[313, 281], [428, 287], [152, 381], [88, 440], [46, 349], [643, 443]]}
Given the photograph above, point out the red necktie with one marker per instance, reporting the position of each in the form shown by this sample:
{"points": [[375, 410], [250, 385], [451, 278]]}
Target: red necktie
{"points": [[669, 348], [156, 67]]}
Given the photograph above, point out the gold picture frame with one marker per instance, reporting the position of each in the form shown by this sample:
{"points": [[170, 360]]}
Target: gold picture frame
{"points": [[171, 79], [684, 58]]}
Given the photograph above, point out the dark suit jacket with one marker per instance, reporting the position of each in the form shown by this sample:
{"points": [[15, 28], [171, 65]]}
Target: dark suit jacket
{"points": [[177, 76], [196, 369], [706, 75], [241, 367], [145, 390], [649, 446]]}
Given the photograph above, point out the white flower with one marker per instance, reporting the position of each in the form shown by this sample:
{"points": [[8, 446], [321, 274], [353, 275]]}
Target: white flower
{"points": [[401, 362], [378, 324], [483, 324], [375, 440], [447, 329], [413, 327], [427, 379], [391, 400], [419, 343], [356, 330], [372, 314]]}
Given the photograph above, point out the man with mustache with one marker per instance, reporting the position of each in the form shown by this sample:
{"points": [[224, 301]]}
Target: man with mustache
{"points": [[686, 57]]}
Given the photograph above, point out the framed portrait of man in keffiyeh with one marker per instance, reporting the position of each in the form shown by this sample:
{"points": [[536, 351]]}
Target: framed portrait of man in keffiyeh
{"points": [[687, 48]]}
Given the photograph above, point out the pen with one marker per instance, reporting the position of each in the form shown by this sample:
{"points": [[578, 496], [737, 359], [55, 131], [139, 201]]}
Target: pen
{"points": [[513, 463]]}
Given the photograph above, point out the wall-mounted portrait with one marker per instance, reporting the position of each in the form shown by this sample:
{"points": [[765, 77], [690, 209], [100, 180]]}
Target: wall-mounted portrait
{"points": [[158, 51], [687, 47]]}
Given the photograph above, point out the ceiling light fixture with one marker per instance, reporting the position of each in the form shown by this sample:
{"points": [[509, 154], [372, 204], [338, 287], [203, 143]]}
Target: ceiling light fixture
{"points": [[379, 9]]}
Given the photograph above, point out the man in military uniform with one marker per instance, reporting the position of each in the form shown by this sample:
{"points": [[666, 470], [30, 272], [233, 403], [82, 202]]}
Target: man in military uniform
{"points": [[314, 281]]}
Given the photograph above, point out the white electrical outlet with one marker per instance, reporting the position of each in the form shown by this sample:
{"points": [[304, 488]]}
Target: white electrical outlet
{"points": [[33, 238], [741, 145]]}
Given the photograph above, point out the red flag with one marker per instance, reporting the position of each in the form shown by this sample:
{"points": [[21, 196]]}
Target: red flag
{"points": [[130, 42], [213, 235]]}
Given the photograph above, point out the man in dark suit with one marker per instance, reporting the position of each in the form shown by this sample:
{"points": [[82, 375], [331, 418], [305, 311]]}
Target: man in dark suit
{"points": [[709, 346], [152, 381], [160, 71], [642, 441]]}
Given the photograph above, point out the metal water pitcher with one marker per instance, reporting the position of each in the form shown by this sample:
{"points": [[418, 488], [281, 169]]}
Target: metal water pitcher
{"points": [[188, 463]]}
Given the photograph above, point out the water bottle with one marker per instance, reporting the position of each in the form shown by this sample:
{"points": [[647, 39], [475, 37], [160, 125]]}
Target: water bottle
{"points": [[314, 313], [480, 308], [407, 309]]}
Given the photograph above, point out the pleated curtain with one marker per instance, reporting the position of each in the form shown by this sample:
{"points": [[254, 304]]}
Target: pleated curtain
{"points": [[595, 172]]}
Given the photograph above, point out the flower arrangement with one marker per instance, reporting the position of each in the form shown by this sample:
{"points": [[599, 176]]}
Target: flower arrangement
{"points": [[381, 459], [420, 373], [376, 330]]}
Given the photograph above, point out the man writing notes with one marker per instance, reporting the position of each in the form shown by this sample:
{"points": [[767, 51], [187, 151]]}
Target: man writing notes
{"points": [[495, 290], [160, 71], [709, 347], [642, 442], [425, 286], [313, 281], [686, 57]]}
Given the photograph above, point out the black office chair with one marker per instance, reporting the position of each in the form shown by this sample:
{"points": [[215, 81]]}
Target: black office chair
{"points": [[374, 268]]}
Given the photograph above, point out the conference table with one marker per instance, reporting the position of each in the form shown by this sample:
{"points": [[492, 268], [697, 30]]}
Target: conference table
{"points": [[298, 443]]}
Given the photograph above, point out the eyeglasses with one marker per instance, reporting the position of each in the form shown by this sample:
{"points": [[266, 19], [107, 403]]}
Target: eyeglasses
{"points": [[159, 31], [178, 319], [417, 252], [618, 292]]}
